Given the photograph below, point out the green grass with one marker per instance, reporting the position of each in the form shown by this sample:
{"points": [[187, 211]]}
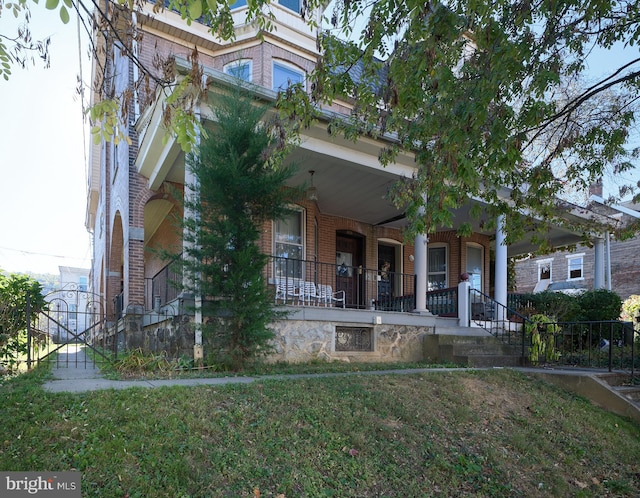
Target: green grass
{"points": [[468, 433]]}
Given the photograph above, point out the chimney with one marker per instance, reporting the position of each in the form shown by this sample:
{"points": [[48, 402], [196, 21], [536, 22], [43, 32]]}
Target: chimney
{"points": [[596, 188]]}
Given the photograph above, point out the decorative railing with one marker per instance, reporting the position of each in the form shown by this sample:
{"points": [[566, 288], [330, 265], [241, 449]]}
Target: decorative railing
{"points": [[165, 287], [312, 283]]}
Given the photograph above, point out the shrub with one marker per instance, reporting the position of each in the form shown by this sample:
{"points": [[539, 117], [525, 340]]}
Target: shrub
{"points": [[599, 305], [631, 310]]}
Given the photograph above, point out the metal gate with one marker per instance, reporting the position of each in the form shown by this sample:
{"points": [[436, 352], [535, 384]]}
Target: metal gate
{"points": [[71, 332]]}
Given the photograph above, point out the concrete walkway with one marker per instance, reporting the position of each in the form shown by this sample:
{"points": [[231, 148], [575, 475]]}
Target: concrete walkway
{"points": [[76, 373]]}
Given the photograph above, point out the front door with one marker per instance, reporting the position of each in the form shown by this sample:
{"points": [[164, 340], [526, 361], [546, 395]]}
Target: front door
{"points": [[386, 272], [349, 274]]}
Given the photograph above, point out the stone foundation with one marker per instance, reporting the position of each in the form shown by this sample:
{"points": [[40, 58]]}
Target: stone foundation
{"points": [[300, 341]]}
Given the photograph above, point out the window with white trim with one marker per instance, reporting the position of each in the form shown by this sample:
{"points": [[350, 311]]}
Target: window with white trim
{"points": [[544, 269], [237, 4], [437, 267], [575, 267], [285, 75], [289, 244], [241, 69]]}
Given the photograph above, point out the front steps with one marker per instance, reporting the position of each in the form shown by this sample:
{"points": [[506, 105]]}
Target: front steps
{"points": [[620, 383], [471, 351]]}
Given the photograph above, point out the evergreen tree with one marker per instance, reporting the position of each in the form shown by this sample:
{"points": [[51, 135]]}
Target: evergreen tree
{"points": [[240, 171]]}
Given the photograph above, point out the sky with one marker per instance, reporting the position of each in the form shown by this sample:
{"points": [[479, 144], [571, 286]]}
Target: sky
{"points": [[42, 153], [42, 158]]}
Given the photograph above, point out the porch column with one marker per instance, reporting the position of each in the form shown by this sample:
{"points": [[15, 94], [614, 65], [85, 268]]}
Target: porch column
{"points": [[189, 280], [420, 265], [500, 292], [607, 270], [598, 265]]}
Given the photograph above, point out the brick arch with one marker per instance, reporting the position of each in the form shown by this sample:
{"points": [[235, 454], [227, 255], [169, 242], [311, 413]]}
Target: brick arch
{"points": [[115, 266]]}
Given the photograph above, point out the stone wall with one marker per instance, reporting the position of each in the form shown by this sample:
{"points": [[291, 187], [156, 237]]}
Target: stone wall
{"points": [[303, 340]]}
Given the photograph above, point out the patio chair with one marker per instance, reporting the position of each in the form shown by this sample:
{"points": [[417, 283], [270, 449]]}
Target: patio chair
{"points": [[328, 297], [309, 293]]}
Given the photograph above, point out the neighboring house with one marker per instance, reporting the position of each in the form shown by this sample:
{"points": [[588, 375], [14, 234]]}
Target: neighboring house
{"points": [[68, 304], [607, 264], [373, 294]]}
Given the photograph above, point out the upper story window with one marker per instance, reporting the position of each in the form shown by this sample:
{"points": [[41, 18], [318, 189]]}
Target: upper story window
{"points": [[241, 69], [286, 75], [237, 4], [575, 264], [544, 270], [82, 284], [437, 268], [289, 244], [291, 4]]}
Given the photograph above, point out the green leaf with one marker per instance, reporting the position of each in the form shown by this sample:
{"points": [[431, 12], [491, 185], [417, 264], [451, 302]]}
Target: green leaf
{"points": [[68, 3], [64, 15], [195, 9], [52, 4]]}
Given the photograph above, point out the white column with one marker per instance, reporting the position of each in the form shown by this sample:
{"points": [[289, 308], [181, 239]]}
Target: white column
{"points": [[420, 265], [191, 192], [464, 307], [608, 261], [500, 278], [598, 265]]}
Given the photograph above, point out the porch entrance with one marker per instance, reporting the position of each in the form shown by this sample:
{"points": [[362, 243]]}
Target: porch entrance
{"points": [[71, 333], [349, 271]]}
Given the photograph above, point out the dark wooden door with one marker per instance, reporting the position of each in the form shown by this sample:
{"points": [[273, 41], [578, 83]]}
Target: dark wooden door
{"points": [[349, 274]]}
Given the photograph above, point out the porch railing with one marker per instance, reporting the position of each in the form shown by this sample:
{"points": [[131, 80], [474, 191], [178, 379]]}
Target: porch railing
{"points": [[162, 288], [312, 283]]}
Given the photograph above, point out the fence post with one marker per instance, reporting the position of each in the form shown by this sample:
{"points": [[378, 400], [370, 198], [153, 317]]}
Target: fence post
{"points": [[28, 312], [464, 315], [610, 346]]}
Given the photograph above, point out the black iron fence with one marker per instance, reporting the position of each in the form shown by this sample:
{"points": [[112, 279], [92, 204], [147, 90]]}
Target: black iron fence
{"points": [[611, 344]]}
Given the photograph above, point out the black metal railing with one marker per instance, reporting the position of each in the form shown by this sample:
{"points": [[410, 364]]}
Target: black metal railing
{"points": [[118, 305], [443, 302], [501, 321], [312, 283], [165, 287], [605, 344]]}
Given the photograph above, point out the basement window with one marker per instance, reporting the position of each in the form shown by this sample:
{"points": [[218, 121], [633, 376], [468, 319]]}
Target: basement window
{"points": [[354, 339]]}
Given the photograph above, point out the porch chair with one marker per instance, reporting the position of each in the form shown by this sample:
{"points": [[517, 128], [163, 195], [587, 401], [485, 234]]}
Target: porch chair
{"points": [[328, 297], [293, 290], [309, 293]]}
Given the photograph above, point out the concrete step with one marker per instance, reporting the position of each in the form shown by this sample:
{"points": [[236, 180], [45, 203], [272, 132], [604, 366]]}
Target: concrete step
{"points": [[491, 360], [631, 392]]}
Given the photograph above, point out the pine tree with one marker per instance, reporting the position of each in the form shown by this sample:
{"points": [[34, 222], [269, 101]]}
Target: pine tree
{"points": [[241, 171]]}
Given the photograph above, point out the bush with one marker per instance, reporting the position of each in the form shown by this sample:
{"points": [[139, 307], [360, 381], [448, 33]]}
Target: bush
{"points": [[631, 310], [561, 307], [599, 305]]}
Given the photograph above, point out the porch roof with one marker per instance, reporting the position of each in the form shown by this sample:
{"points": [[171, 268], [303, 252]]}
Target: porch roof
{"points": [[348, 176]]}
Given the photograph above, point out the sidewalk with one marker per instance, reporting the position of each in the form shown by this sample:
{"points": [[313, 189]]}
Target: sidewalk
{"points": [[76, 373]]}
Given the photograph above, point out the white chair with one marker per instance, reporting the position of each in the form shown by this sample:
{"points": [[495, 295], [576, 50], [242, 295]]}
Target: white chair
{"points": [[309, 293], [328, 297], [293, 289], [281, 291]]}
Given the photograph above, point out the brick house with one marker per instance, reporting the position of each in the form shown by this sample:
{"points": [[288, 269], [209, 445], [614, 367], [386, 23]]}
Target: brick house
{"points": [[606, 264], [388, 292]]}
